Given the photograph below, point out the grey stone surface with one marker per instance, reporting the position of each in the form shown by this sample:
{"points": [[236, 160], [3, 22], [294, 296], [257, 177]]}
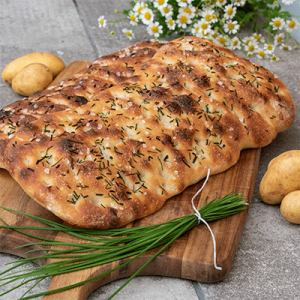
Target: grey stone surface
{"points": [[267, 263]]}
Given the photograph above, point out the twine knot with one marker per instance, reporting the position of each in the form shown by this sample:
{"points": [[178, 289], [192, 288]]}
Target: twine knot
{"points": [[200, 219]]}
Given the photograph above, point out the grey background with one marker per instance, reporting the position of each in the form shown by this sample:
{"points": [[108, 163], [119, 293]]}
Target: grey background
{"points": [[267, 261]]}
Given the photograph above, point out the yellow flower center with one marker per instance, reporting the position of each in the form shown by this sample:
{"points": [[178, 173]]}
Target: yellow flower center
{"points": [[112, 33], [184, 1], [277, 23], [154, 29], [235, 43], [140, 9], [230, 11], [197, 29], [222, 40], [147, 15], [230, 26], [292, 24], [132, 18], [205, 34], [161, 2], [204, 26], [187, 10], [166, 9], [213, 17], [274, 58], [207, 18], [128, 33], [251, 48], [115, 10], [257, 37], [221, 1], [275, 3], [183, 19], [279, 39], [171, 22], [247, 42], [284, 47], [101, 21], [270, 47], [262, 53]]}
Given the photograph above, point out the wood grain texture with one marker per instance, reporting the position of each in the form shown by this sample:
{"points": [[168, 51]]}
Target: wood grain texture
{"points": [[189, 257]]}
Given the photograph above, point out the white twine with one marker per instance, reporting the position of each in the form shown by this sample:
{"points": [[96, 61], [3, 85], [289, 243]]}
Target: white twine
{"points": [[198, 215]]}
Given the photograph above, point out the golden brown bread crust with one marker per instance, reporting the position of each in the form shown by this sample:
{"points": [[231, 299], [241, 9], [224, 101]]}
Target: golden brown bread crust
{"points": [[103, 73], [118, 158]]}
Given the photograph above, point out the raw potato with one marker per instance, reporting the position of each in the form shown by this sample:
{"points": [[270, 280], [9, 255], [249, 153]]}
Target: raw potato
{"points": [[54, 63], [33, 78], [281, 178], [290, 207]]}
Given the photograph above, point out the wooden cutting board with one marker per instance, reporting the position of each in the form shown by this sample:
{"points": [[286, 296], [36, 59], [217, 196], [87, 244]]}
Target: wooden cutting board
{"points": [[189, 257]]}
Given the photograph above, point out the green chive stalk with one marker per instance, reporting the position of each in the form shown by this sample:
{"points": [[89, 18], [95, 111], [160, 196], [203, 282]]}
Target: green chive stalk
{"points": [[105, 246]]}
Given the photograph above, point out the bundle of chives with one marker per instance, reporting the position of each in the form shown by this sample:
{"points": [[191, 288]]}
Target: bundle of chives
{"points": [[105, 246]]}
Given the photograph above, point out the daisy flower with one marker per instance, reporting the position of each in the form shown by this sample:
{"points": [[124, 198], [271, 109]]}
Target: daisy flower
{"points": [[147, 16], [291, 24], [133, 17], [155, 29], [209, 15], [190, 10], [184, 2], [251, 48], [129, 33], [285, 47], [160, 4], [203, 25], [231, 27], [258, 37], [196, 30], [183, 20], [167, 11], [101, 22], [220, 2], [249, 39], [261, 54], [221, 40], [278, 38], [269, 48], [139, 6], [230, 11], [277, 23], [170, 23], [274, 58], [235, 43], [197, 12]]}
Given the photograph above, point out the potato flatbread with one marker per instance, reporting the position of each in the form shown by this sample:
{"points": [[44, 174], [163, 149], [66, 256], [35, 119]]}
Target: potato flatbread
{"points": [[194, 106]]}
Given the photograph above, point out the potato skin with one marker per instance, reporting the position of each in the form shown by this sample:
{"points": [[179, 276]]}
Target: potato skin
{"points": [[281, 178], [54, 63], [34, 77], [290, 207]]}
